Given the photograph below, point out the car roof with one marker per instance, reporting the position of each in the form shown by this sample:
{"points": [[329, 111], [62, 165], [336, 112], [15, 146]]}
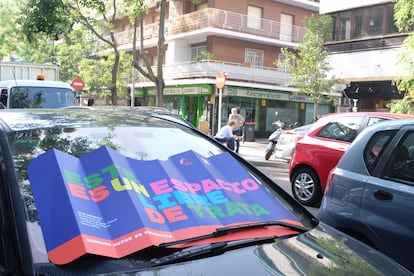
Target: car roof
{"points": [[391, 124], [32, 118], [378, 114], [328, 117], [38, 83]]}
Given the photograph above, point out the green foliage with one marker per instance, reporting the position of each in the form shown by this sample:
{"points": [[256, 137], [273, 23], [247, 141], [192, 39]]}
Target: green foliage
{"points": [[97, 74], [204, 55], [403, 106], [308, 64], [404, 20], [134, 8], [403, 14], [50, 18], [13, 41], [71, 53], [7, 29]]}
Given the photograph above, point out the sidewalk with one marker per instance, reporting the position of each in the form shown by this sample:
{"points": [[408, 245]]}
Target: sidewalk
{"points": [[254, 152]]}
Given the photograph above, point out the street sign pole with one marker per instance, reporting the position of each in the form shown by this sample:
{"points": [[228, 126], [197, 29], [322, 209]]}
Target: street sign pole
{"points": [[219, 108]]}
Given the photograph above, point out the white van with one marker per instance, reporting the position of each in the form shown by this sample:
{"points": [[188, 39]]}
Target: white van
{"points": [[36, 94]]}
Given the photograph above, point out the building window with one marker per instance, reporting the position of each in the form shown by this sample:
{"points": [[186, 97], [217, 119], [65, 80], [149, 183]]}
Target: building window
{"points": [[175, 9], [254, 57], [364, 22], [375, 20], [198, 53], [281, 63], [359, 24], [345, 26], [389, 17], [254, 17], [286, 27]]}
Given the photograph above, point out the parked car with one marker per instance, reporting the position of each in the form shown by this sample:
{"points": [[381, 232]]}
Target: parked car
{"points": [[118, 192], [321, 148], [286, 144], [370, 193]]}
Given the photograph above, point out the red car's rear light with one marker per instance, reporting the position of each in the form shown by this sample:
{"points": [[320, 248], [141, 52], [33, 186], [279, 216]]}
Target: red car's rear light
{"points": [[329, 180]]}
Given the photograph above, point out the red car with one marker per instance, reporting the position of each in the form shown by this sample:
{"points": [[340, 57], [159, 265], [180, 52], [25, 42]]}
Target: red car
{"points": [[322, 147]]}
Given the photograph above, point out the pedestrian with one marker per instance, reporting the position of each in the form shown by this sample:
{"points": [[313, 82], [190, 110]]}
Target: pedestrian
{"points": [[237, 129], [225, 135]]}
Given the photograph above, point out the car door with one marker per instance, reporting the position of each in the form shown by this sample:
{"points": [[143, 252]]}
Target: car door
{"points": [[387, 204]]}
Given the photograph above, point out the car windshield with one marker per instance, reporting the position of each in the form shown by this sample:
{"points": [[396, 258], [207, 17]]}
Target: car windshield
{"points": [[78, 145], [41, 97]]}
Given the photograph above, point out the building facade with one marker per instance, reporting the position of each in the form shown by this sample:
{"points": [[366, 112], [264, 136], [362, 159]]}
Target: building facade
{"points": [[241, 38], [364, 52]]}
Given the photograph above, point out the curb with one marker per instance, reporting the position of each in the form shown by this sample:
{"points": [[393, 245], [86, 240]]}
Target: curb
{"points": [[272, 163]]}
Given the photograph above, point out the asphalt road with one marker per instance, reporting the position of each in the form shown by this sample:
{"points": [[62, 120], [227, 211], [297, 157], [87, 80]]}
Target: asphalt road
{"points": [[281, 177], [275, 169]]}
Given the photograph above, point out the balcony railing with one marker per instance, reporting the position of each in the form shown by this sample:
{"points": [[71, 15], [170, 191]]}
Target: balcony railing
{"points": [[218, 19], [235, 72], [226, 20]]}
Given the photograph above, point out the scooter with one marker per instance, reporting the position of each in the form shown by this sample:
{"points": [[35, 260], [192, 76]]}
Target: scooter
{"points": [[270, 149]]}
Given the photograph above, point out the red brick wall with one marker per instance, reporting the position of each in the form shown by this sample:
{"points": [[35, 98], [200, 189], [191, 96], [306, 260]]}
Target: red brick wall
{"points": [[232, 50]]}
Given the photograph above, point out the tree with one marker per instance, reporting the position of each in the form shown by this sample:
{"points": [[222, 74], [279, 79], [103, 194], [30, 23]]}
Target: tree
{"points": [[137, 10], [308, 62], [39, 15], [71, 54], [97, 74], [404, 20], [13, 42], [402, 106], [8, 34], [56, 18]]}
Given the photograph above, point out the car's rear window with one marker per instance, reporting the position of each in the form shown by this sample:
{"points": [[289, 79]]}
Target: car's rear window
{"points": [[342, 129]]}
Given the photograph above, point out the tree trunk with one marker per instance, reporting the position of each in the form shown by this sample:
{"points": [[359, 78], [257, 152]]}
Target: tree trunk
{"points": [[114, 93], [160, 56]]}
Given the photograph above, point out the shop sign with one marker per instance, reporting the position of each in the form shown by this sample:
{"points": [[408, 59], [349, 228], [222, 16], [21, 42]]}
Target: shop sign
{"points": [[184, 90], [269, 95]]}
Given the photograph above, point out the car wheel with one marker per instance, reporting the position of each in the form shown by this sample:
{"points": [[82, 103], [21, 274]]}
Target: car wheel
{"points": [[306, 187], [269, 150], [268, 154]]}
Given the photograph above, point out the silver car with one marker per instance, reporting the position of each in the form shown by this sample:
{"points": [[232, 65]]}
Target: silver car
{"points": [[286, 144]]}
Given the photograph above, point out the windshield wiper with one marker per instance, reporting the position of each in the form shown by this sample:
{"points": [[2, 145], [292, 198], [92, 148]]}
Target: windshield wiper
{"points": [[190, 253], [237, 228]]}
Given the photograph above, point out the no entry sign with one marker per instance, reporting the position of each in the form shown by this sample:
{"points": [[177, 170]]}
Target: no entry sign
{"points": [[220, 80], [78, 84]]}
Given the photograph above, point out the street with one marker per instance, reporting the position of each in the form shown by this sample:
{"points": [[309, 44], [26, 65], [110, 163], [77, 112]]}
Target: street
{"points": [[275, 169], [280, 176]]}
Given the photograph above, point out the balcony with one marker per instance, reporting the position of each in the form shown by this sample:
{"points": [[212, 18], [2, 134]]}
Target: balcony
{"points": [[208, 69], [241, 23], [219, 20]]}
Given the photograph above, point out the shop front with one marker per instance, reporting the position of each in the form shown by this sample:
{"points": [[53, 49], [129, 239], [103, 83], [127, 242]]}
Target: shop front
{"points": [[188, 101], [265, 107], [261, 108]]}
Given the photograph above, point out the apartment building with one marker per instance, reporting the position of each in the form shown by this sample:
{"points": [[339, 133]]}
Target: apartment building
{"points": [[364, 51], [241, 38]]}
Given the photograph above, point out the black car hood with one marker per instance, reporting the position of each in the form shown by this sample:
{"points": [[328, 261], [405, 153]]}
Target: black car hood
{"points": [[321, 251]]}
